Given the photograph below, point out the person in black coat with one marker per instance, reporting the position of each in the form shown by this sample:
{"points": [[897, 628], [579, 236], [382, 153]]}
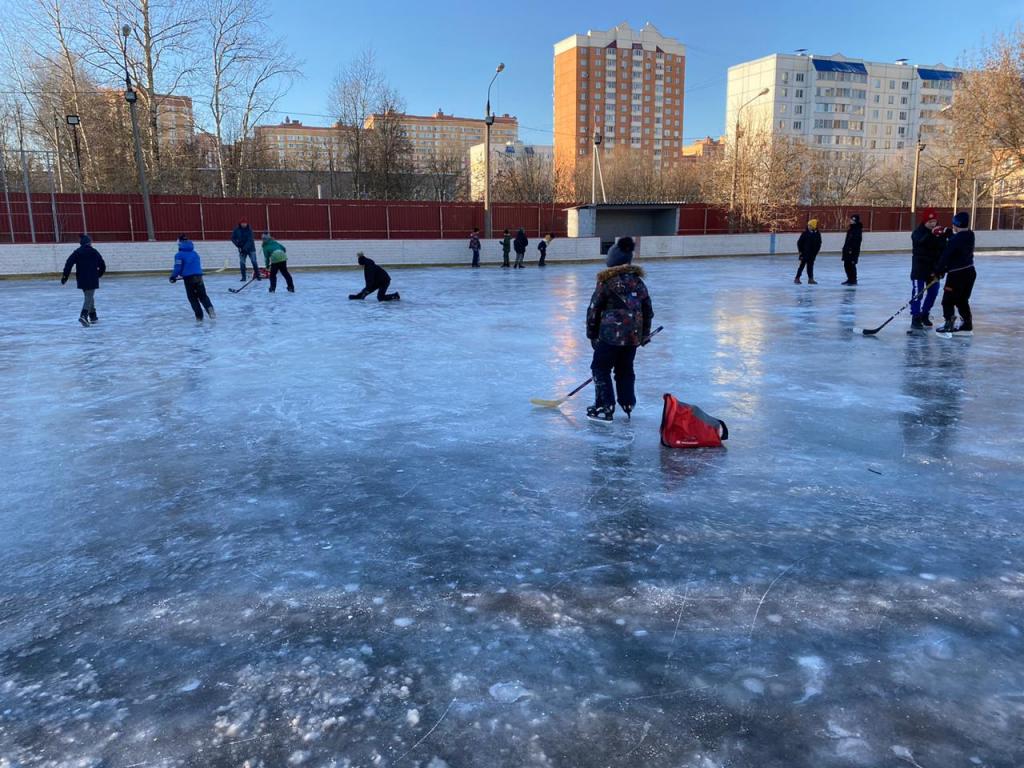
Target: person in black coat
{"points": [[89, 268], [377, 279], [851, 249], [243, 239], [808, 245], [520, 244], [957, 264], [927, 242]]}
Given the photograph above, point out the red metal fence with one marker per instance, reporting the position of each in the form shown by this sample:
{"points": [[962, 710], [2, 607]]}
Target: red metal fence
{"points": [[120, 218]]}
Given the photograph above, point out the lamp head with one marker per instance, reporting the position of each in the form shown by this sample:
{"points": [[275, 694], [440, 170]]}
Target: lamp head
{"points": [[764, 92], [126, 30], [500, 67], [73, 119]]}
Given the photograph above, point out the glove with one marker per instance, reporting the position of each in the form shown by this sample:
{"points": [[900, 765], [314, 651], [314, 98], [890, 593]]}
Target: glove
{"points": [[173, 279], [63, 280]]}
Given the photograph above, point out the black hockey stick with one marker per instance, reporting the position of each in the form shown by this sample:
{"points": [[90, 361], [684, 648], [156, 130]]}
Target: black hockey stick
{"points": [[555, 403], [873, 331], [242, 288]]}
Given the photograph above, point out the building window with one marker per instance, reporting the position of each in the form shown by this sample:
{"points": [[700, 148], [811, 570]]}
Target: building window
{"points": [[798, 109], [797, 125], [904, 101], [799, 93], [903, 115], [905, 85], [785, 92], [785, 77], [799, 77]]}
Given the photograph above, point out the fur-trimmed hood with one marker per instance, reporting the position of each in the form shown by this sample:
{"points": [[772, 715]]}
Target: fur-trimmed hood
{"points": [[607, 274]]}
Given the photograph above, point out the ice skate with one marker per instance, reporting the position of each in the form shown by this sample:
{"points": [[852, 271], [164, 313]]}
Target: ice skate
{"points": [[210, 311], [601, 413], [812, 282], [93, 319], [84, 319], [926, 321], [796, 281], [916, 324]]}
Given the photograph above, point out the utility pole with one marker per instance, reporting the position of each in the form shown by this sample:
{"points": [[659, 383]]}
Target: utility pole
{"points": [[73, 121], [24, 174], [56, 149], [488, 122], [7, 191], [132, 98], [917, 171], [736, 149], [956, 184]]}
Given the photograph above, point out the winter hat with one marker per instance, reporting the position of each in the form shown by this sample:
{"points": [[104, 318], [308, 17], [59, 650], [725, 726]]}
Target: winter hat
{"points": [[812, 224], [621, 253], [856, 218], [182, 238], [243, 223], [962, 220], [85, 240], [266, 235], [928, 214]]}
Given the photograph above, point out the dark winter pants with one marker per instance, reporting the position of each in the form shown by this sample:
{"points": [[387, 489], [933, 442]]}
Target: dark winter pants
{"points": [[242, 256], [476, 257], [620, 359], [543, 258], [282, 267], [805, 262], [382, 292], [195, 290], [851, 271], [957, 295], [520, 255], [917, 306], [504, 258]]}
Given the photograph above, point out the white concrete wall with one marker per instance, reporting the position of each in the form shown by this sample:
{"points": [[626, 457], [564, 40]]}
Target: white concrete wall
{"points": [[159, 257]]}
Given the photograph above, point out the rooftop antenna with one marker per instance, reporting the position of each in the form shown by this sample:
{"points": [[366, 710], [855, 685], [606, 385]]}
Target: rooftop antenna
{"points": [[800, 51]]}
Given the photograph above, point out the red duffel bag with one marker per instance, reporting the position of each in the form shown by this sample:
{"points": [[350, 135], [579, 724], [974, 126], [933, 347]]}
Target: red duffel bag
{"points": [[687, 426]]}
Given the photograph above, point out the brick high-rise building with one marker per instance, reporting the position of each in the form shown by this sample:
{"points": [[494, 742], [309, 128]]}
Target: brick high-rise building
{"points": [[441, 133], [625, 84]]}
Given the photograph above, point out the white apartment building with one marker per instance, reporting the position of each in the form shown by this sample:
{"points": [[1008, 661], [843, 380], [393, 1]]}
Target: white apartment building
{"points": [[840, 104], [502, 156]]}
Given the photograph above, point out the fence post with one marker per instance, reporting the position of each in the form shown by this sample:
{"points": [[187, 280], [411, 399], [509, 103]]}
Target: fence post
{"points": [[7, 193], [53, 200], [871, 219], [28, 195], [440, 217], [202, 221], [539, 235], [266, 215], [387, 222], [330, 224], [131, 224], [705, 219]]}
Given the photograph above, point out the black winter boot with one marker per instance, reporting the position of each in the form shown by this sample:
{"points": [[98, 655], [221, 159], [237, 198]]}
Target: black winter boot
{"points": [[84, 319], [926, 321], [916, 324]]}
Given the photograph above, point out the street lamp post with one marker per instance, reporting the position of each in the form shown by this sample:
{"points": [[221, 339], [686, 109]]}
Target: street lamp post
{"points": [[736, 149], [917, 171], [132, 97], [74, 121], [956, 184], [488, 122]]}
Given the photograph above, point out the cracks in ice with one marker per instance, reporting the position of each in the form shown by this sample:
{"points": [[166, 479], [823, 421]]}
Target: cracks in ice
{"points": [[750, 634], [427, 734]]}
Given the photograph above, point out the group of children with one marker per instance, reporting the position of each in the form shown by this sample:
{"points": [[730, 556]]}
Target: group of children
{"points": [[89, 268], [809, 244], [519, 243]]}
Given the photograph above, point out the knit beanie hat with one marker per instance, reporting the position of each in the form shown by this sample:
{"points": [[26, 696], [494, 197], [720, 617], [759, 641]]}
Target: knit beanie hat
{"points": [[84, 240], [620, 253], [812, 224], [856, 218], [928, 214], [962, 220]]}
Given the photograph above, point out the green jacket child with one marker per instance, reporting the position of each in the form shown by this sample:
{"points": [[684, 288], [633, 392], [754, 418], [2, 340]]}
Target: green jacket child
{"points": [[506, 247], [273, 251]]}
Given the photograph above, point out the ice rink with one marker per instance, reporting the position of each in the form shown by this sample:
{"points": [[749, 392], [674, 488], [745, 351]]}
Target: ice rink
{"points": [[322, 532]]}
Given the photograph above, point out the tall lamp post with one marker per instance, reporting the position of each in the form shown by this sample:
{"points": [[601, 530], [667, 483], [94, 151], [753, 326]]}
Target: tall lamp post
{"points": [[917, 172], [132, 97], [736, 151], [488, 122], [73, 121]]}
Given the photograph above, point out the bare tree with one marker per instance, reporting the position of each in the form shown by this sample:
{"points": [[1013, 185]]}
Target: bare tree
{"points": [[525, 177], [355, 95], [446, 173], [389, 163]]}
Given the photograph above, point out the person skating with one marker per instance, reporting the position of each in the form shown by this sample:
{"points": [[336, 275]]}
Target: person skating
{"points": [[243, 239], [851, 249], [520, 244], [927, 241], [474, 246], [506, 248], [542, 247], [618, 321], [957, 264], [377, 279], [276, 257], [808, 245], [89, 268], [188, 266]]}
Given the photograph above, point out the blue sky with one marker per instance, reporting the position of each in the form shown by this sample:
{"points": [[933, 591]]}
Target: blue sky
{"points": [[442, 54]]}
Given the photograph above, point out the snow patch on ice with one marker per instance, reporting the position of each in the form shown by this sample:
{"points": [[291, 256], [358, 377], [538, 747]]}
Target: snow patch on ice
{"points": [[190, 686], [403, 621], [412, 717], [508, 693]]}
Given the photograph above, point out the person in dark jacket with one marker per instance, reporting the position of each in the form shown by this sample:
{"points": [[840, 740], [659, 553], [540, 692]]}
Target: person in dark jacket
{"points": [[542, 248], [957, 264], [927, 242], [377, 279], [506, 247], [851, 249], [474, 246], [618, 321], [808, 245], [520, 244], [89, 268], [244, 240], [188, 266]]}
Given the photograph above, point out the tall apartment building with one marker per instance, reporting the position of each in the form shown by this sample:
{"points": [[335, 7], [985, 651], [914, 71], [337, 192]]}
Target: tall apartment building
{"points": [[625, 84], [441, 133], [303, 147], [174, 118], [840, 104]]}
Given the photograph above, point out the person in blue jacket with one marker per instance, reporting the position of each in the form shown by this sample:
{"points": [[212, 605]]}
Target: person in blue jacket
{"points": [[957, 264], [187, 266], [89, 268], [244, 240]]}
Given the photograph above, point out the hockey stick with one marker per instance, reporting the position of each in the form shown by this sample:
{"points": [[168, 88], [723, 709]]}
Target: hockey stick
{"points": [[873, 331], [242, 288], [555, 403]]}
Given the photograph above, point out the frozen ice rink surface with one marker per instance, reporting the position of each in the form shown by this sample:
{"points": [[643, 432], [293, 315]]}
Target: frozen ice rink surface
{"points": [[327, 533]]}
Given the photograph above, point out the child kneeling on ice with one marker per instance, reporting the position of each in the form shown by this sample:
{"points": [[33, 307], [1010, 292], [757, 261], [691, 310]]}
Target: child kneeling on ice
{"points": [[618, 321], [377, 279]]}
